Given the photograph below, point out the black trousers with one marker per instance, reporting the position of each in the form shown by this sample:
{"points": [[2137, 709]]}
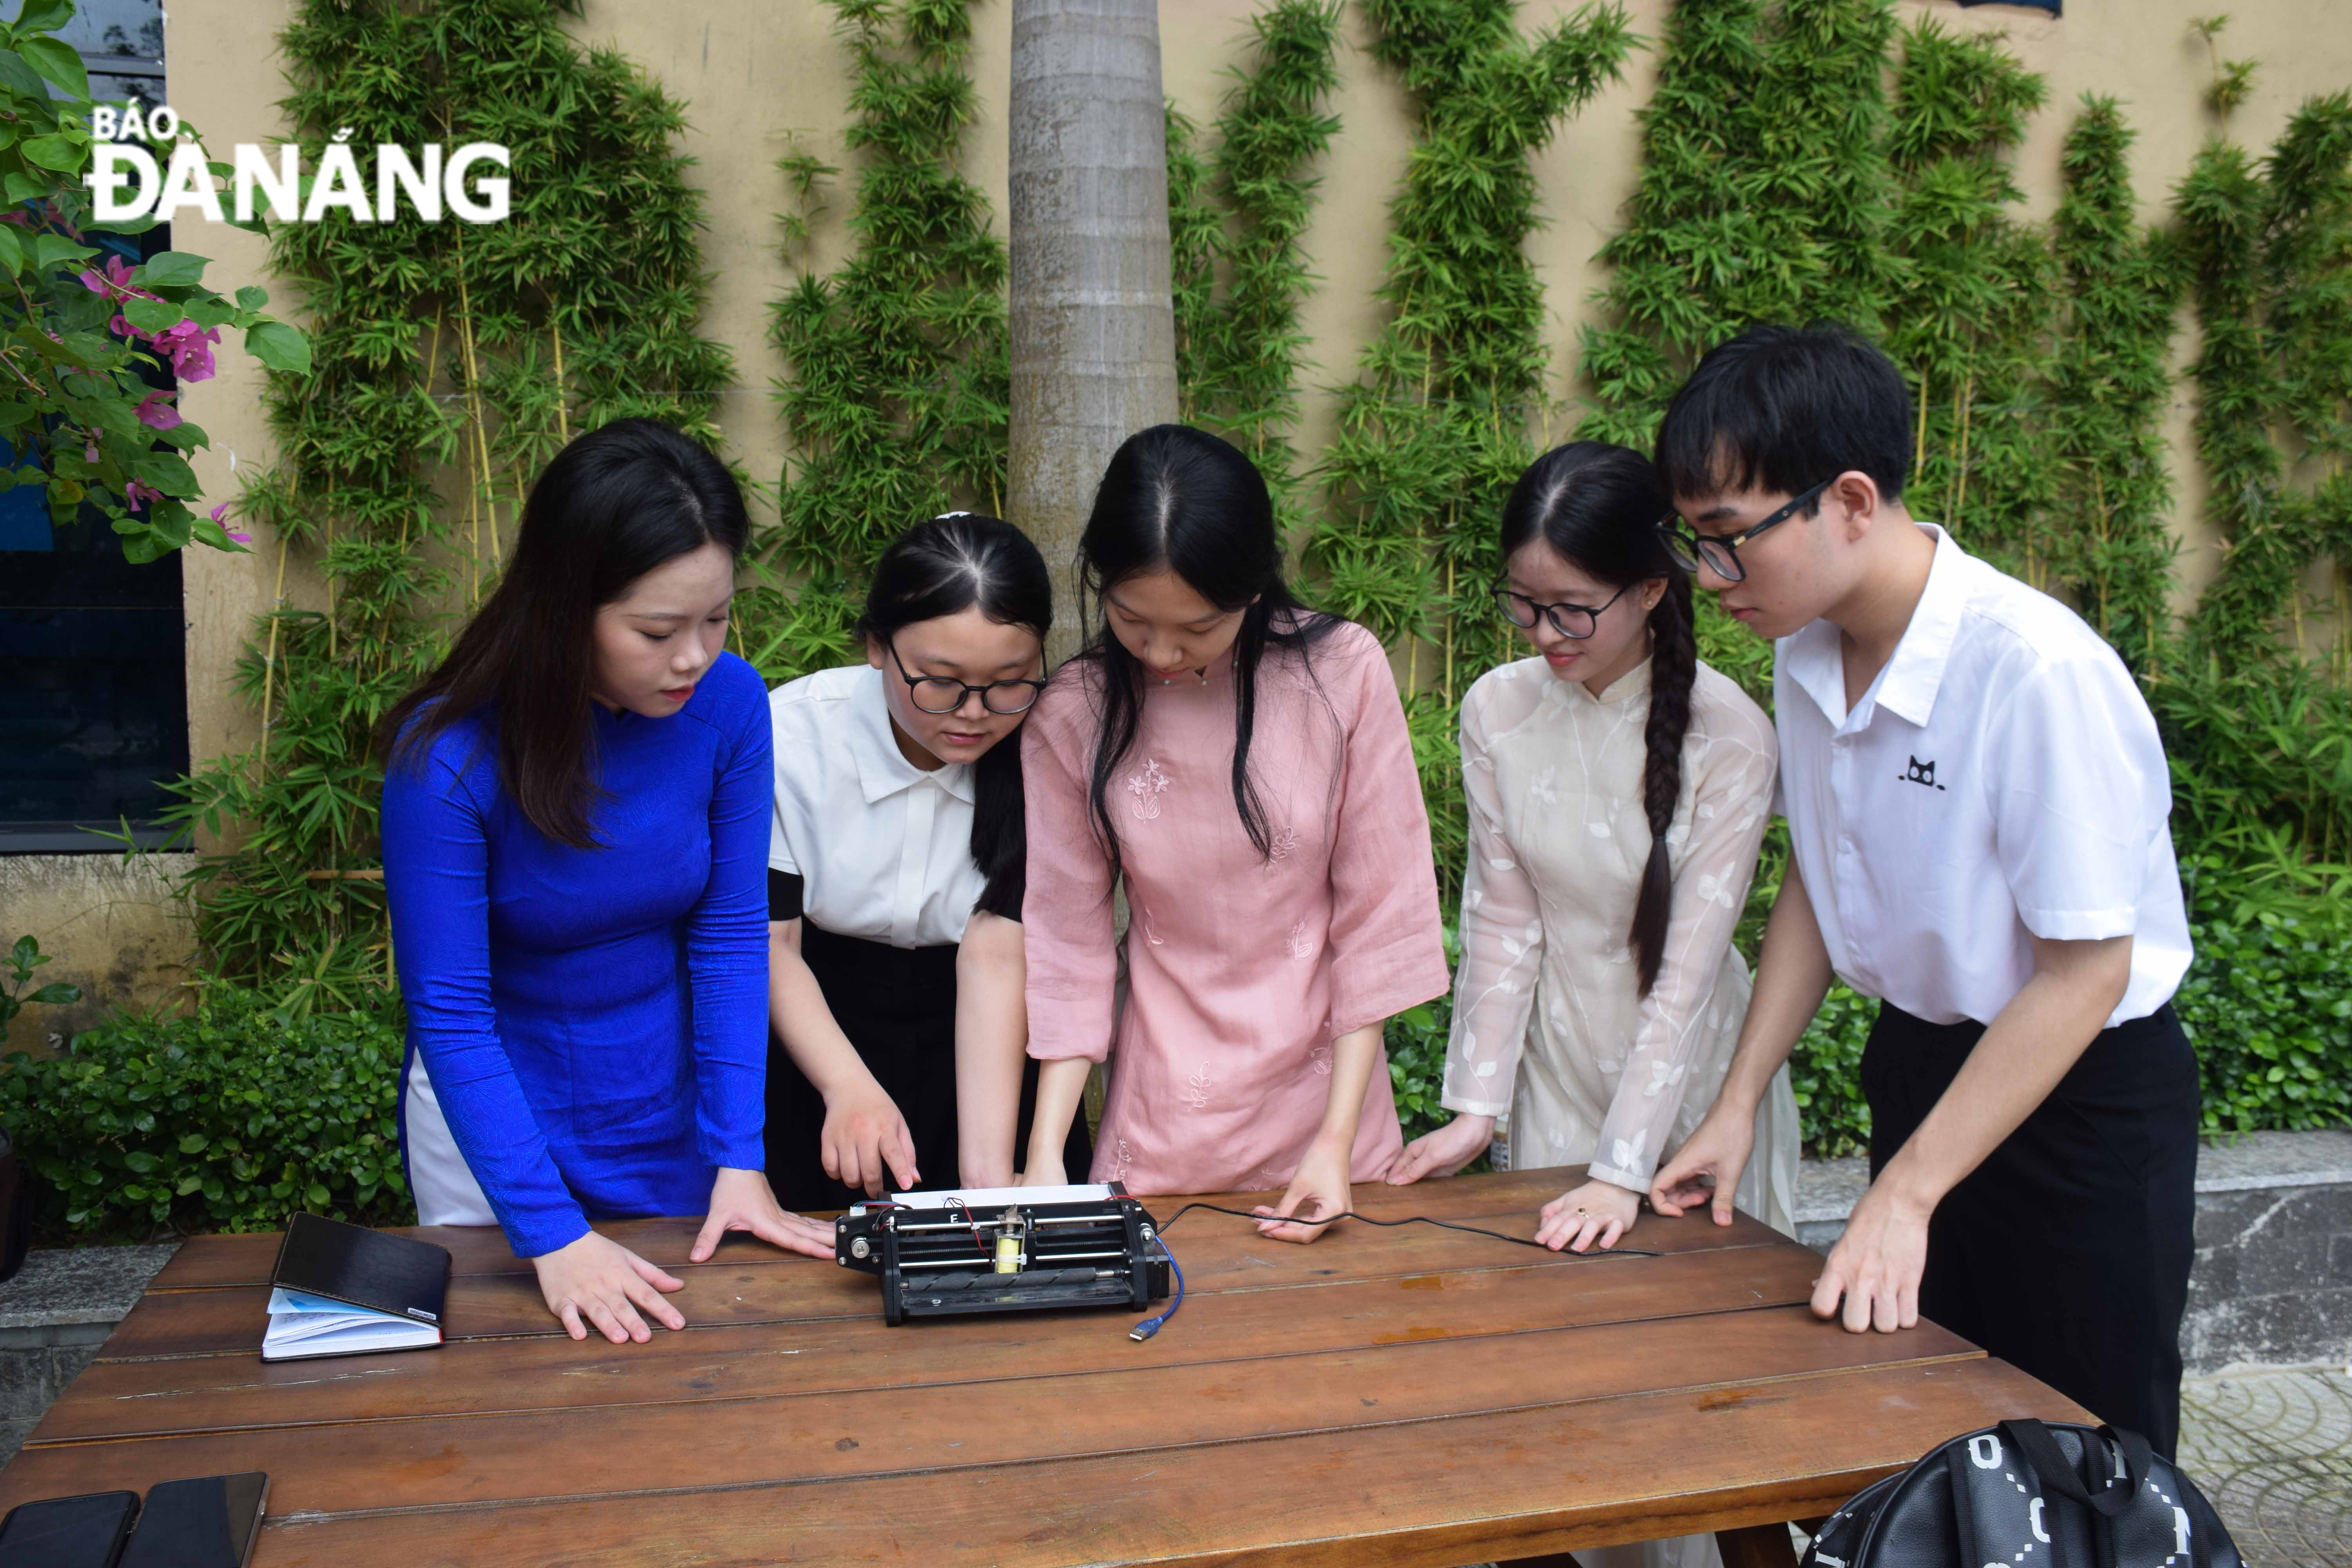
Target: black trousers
{"points": [[2066, 1253], [897, 1006]]}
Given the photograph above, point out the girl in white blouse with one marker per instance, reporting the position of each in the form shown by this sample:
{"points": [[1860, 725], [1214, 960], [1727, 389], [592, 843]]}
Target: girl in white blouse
{"points": [[1618, 791], [895, 872]]}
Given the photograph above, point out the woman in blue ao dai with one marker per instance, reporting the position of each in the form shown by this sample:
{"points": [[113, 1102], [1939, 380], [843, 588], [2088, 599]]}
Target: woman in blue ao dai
{"points": [[575, 827]]}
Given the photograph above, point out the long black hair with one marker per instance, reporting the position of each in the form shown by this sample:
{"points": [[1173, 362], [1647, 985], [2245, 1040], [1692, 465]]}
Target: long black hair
{"points": [[612, 505], [940, 568], [1597, 507], [1178, 499]]}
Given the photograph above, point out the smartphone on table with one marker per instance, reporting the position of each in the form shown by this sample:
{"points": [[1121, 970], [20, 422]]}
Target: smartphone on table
{"points": [[205, 1523], [84, 1531]]}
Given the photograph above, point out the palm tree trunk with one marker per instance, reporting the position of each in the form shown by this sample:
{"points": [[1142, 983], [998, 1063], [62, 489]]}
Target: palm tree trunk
{"points": [[1093, 335]]}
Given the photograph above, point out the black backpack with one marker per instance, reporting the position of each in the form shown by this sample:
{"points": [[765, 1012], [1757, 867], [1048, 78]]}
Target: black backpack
{"points": [[2026, 1495]]}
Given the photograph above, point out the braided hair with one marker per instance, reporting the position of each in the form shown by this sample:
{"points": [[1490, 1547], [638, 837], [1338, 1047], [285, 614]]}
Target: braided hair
{"points": [[1597, 506]]}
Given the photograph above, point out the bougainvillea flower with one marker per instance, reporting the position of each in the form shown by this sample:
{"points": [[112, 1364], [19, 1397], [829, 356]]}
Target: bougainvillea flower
{"points": [[189, 348], [115, 284], [155, 411], [133, 492]]}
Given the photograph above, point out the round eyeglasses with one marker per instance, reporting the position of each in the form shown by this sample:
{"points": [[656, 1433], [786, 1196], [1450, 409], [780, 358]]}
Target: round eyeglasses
{"points": [[1719, 553], [939, 694], [1577, 621]]}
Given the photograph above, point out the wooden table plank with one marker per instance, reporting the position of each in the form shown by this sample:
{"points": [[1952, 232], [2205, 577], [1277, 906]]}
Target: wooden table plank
{"points": [[1391, 1395], [770, 1286], [868, 1432], [123, 1398], [1414, 1495], [217, 1260]]}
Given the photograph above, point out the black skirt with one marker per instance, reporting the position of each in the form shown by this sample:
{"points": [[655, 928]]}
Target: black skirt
{"points": [[897, 1006], [2066, 1253]]}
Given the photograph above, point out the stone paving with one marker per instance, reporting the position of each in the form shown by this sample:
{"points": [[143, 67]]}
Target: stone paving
{"points": [[2273, 1450]]}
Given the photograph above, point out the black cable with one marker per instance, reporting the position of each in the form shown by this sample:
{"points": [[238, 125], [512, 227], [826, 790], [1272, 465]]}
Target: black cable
{"points": [[1408, 1219]]}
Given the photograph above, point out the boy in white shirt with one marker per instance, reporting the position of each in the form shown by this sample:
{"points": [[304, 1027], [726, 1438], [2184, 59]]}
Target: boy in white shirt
{"points": [[1976, 802]]}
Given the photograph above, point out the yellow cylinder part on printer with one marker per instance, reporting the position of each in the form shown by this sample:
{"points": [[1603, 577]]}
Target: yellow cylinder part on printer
{"points": [[1008, 1253]]}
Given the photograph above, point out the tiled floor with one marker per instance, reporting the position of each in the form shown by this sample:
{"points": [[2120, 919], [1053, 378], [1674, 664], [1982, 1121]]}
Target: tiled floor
{"points": [[2273, 1450]]}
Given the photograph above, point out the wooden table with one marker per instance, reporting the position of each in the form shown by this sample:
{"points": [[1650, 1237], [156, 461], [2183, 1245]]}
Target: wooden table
{"points": [[1407, 1396]]}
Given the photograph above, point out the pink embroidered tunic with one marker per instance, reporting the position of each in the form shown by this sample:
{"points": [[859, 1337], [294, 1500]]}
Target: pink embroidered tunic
{"points": [[1241, 969]]}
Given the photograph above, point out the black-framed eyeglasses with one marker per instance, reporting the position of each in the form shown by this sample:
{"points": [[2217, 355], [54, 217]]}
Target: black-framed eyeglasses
{"points": [[939, 694], [1578, 621], [1719, 553]]}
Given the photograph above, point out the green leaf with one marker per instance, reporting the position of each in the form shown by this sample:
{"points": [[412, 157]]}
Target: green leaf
{"points": [[51, 251], [43, 17], [318, 1195], [170, 269], [167, 471], [152, 315], [57, 150], [12, 249], [149, 541], [93, 350], [57, 61], [17, 75], [279, 346], [18, 185], [58, 993], [250, 297], [140, 1161]]}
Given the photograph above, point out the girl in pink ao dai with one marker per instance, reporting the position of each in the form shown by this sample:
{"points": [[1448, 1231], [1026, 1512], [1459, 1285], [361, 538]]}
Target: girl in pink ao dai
{"points": [[1239, 767]]}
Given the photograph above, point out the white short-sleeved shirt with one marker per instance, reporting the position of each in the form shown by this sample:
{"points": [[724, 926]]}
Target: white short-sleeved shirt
{"points": [[2002, 776], [884, 847]]}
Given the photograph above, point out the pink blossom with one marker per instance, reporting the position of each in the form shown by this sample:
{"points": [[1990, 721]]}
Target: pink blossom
{"points": [[156, 413], [241, 537], [189, 348], [90, 452], [115, 284], [134, 492], [215, 513]]}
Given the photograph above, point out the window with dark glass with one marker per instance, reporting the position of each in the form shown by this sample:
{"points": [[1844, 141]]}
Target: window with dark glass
{"points": [[93, 701]]}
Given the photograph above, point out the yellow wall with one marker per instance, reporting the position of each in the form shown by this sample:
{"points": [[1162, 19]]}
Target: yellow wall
{"points": [[761, 77], [113, 929]]}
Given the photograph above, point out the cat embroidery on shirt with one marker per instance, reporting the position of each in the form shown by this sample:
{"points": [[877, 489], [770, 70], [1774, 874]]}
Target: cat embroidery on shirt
{"points": [[1920, 772]]}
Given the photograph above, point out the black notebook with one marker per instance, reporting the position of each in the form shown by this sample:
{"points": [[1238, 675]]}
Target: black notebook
{"points": [[343, 1289]]}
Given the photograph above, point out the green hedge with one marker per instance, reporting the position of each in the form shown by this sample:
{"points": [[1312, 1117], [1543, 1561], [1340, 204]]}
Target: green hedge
{"points": [[2267, 1001], [226, 1121]]}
